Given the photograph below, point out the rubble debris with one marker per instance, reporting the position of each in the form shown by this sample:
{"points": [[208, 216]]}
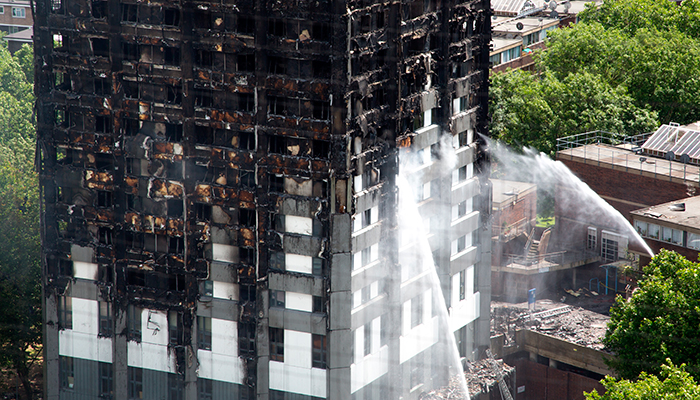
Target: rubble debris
{"points": [[481, 379], [577, 325]]}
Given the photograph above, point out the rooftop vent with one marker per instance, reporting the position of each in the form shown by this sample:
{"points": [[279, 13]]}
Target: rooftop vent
{"points": [[677, 207]]}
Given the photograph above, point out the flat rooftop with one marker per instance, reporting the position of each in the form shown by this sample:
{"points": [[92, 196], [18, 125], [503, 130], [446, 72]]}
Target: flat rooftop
{"points": [[687, 218], [623, 158], [507, 192], [500, 44], [530, 25]]}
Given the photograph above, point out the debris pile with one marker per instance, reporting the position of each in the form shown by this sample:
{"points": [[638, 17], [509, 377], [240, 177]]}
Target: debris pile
{"points": [[573, 324], [481, 380]]}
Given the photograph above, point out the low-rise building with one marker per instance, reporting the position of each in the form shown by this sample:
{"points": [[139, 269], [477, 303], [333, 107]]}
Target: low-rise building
{"points": [[672, 226], [15, 16]]}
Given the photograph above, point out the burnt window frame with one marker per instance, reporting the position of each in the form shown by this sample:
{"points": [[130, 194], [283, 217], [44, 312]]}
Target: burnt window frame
{"points": [[245, 62], [134, 325], [99, 9], [175, 328], [277, 344], [171, 56], [246, 339], [171, 17], [104, 310], [64, 306], [103, 124], [129, 13]]}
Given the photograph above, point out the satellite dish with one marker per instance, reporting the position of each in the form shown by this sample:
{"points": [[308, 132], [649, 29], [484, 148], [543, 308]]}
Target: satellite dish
{"points": [[567, 6], [519, 25], [554, 14], [670, 155], [685, 159], [552, 5]]}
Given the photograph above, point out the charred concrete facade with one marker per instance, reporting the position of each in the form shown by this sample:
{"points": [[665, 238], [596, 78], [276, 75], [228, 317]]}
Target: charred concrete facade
{"points": [[218, 177]]}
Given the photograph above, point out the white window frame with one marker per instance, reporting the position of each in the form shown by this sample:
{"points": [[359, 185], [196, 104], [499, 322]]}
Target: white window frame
{"points": [[16, 11]]}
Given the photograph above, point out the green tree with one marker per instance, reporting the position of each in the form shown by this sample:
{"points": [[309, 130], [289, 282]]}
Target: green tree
{"points": [[632, 15], [660, 69], [660, 321], [534, 110], [20, 271], [677, 384]]}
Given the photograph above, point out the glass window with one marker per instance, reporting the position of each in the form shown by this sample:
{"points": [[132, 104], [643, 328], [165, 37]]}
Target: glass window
{"points": [[65, 312], [18, 12], [66, 372], [135, 383], [277, 298], [277, 344], [203, 333], [134, 322], [320, 352], [106, 381], [694, 240], [105, 319]]}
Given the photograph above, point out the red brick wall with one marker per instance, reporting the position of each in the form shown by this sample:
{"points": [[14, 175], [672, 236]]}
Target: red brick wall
{"points": [[627, 186], [545, 383], [524, 208]]}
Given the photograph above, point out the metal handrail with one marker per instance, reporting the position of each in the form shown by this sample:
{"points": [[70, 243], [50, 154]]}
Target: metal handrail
{"points": [[600, 137]]}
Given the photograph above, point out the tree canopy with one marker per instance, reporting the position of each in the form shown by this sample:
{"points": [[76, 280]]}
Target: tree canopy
{"points": [[20, 249], [638, 59], [677, 384], [660, 321]]}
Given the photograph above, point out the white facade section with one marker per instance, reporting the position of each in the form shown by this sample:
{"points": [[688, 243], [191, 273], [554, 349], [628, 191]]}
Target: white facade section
{"points": [[298, 263], [223, 252], [419, 338], [82, 341], [85, 270], [300, 225], [368, 368], [465, 311], [225, 290], [295, 374], [152, 353], [298, 301], [222, 362]]}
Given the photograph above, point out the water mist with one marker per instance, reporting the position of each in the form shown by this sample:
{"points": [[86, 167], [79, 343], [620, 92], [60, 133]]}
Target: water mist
{"points": [[572, 195]]}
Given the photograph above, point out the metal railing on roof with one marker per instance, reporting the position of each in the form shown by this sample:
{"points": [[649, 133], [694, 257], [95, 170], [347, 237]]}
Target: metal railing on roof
{"points": [[601, 137]]}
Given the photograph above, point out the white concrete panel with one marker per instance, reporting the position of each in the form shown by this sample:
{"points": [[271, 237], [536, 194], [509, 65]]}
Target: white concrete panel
{"points": [[374, 289], [224, 337], [154, 327], [300, 225], [298, 263], [223, 252], [85, 270], [418, 339], [357, 183], [368, 369], [357, 260], [150, 356], [225, 290], [464, 311], [84, 345], [85, 316], [289, 378], [298, 301], [220, 367], [376, 333], [454, 293], [297, 348], [374, 217], [374, 252], [357, 299], [469, 289]]}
